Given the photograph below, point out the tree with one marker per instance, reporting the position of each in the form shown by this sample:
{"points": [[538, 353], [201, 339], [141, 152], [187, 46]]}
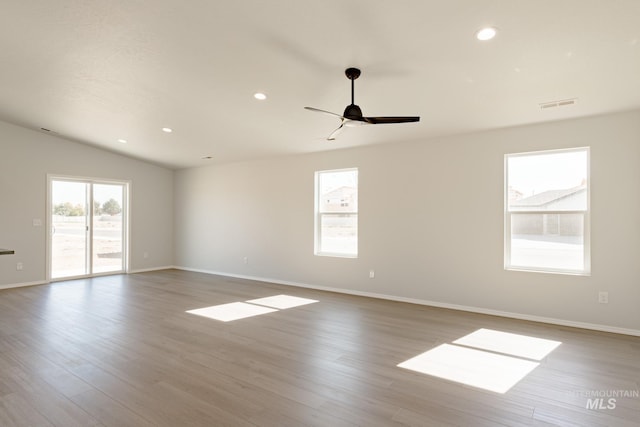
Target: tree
{"points": [[77, 210], [97, 210], [67, 209], [62, 209], [111, 207]]}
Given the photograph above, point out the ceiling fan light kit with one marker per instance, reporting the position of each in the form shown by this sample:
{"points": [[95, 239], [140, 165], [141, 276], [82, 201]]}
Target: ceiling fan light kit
{"points": [[352, 115]]}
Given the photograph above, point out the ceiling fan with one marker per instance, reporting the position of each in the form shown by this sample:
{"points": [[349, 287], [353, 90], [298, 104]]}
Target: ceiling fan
{"points": [[352, 115]]}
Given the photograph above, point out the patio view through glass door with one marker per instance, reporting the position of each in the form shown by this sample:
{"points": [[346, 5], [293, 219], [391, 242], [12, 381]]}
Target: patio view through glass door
{"points": [[88, 224]]}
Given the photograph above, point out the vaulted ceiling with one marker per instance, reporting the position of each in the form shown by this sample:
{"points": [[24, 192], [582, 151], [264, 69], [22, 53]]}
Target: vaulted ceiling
{"points": [[100, 71]]}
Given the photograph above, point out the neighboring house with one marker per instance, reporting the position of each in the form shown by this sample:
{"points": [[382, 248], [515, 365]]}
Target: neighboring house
{"points": [[514, 195], [556, 222], [342, 199]]}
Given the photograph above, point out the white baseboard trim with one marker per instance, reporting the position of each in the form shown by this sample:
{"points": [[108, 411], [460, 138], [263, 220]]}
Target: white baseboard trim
{"points": [[44, 282], [22, 285], [146, 270], [479, 310]]}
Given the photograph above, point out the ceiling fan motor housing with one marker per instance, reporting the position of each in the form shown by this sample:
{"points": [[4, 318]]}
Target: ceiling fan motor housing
{"points": [[352, 112]]}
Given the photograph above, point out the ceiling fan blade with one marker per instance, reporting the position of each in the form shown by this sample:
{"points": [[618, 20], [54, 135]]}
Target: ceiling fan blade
{"points": [[317, 110], [382, 120], [335, 133]]}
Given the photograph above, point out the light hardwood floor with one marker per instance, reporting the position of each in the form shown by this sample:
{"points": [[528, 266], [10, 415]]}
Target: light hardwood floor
{"points": [[121, 351]]}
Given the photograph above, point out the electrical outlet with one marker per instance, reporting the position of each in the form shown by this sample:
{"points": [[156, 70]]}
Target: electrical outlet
{"points": [[603, 297], [19, 266], [372, 274], [246, 260], [145, 255], [37, 222]]}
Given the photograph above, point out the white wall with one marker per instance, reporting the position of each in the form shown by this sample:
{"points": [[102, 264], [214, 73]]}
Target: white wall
{"points": [[26, 157], [430, 224]]}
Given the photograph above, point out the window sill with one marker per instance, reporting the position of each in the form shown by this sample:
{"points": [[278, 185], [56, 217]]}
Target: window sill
{"points": [[335, 255], [549, 271]]}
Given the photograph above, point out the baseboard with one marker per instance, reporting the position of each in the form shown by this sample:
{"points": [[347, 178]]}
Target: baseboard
{"points": [[22, 285], [146, 270], [44, 282], [479, 310]]}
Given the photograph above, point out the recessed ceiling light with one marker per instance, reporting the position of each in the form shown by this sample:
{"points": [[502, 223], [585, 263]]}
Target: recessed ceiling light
{"points": [[122, 141], [259, 95], [486, 33], [167, 130]]}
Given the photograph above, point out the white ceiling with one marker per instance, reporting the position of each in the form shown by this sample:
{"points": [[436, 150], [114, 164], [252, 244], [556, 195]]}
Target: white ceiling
{"points": [[96, 71]]}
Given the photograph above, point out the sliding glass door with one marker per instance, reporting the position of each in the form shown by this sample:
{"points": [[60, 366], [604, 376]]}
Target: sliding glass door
{"points": [[88, 223], [69, 229]]}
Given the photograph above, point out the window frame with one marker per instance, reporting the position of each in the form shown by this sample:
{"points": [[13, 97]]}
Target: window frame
{"points": [[318, 215], [586, 214]]}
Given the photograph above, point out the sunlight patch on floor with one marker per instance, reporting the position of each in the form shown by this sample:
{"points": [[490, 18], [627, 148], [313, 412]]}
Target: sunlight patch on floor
{"points": [[282, 301], [507, 343], [250, 308], [476, 368], [482, 366], [231, 311]]}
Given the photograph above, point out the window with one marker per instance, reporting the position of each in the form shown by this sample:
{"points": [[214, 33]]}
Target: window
{"points": [[547, 211], [336, 219]]}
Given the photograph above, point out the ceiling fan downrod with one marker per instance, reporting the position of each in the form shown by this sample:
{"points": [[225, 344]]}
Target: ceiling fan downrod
{"points": [[352, 74]]}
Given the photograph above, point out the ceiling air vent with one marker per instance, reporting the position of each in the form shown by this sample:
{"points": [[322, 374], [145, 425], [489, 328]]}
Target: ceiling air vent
{"points": [[560, 103], [48, 130]]}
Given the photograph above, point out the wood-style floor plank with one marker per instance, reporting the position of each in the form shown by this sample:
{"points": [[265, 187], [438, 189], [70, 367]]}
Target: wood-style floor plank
{"points": [[119, 351]]}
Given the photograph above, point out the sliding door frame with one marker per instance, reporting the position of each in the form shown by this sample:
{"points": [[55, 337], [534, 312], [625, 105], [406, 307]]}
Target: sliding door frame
{"points": [[126, 216]]}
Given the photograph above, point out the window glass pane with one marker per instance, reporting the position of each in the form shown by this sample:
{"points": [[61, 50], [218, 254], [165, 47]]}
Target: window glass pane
{"points": [[337, 213], [108, 202], [69, 232], [339, 191], [552, 181], [553, 241], [339, 234]]}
